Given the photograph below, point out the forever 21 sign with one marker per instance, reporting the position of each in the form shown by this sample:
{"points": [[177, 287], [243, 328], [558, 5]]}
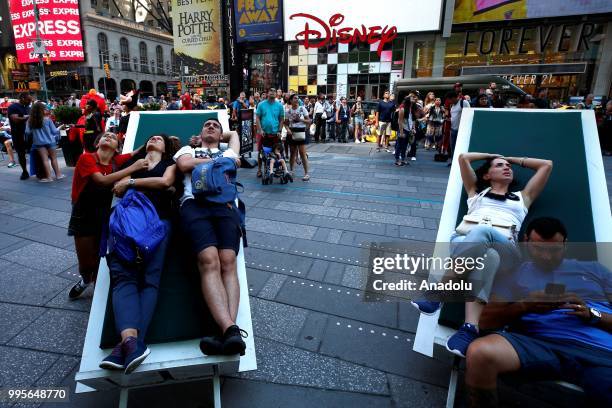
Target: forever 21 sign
{"points": [[520, 40]]}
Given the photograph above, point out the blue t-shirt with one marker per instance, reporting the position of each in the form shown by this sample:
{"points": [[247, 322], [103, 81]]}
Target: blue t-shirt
{"points": [[590, 281], [385, 110], [237, 105], [270, 114]]}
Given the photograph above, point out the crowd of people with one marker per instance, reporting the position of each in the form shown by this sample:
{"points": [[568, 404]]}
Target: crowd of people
{"points": [[429, 122]]}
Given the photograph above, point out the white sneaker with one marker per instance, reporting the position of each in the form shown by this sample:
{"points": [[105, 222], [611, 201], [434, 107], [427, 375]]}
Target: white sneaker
{"points": [[413, 158], [387, 150]]}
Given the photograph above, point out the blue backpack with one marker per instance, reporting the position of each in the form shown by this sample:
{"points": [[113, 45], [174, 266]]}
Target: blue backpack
{"points": [[135, 230], [215, 181]]}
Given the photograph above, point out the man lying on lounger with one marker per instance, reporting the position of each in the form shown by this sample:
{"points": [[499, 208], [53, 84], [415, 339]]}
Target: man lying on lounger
{"points": [[214, 231], [561, 330]]}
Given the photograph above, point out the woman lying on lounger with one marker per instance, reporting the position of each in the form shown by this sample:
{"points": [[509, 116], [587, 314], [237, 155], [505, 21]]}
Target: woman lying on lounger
{"points": [[135, 285], [493, 220]]}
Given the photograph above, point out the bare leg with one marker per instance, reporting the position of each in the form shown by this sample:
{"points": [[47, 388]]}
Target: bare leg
{"points": [[293, 157], [284, 165], [9, 150], [487, 357], [304, 156], [56, 169], [213, 289], [87, 250], [128, 333], [44, 156], [272, 161], [229, 275], [473, 310]]}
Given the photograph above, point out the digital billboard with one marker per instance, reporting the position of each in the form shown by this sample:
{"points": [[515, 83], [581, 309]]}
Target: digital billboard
{"points": [[197, 35], [472, 11], [258, 20], [341, 18], [59, 26]]}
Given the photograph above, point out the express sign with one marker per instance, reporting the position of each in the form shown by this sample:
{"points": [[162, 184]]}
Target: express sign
{"points": [[59, 27]]}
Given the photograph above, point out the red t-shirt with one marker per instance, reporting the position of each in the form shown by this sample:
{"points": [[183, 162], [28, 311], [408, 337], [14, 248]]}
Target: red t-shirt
{"points": [[186, 102], [88, 165]]}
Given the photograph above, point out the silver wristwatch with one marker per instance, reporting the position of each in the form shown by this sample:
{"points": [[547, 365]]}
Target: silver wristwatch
{"points": [[595, 315], [131, 183]]}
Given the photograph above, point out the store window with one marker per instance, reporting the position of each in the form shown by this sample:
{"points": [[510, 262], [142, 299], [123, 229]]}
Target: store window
{"points": [[125, 54], [159, 54], [328, 69], [103, 49], [144, 65], [565, 55], [265, 71], [422, 57]]}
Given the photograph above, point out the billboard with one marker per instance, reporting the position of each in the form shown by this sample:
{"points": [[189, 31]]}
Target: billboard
{"points": [[197, 35], [318, 18], [258, 20], [471, 11], [59, 26]]}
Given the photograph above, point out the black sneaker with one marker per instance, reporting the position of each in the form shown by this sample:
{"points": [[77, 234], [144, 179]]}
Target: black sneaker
{"points": [[211, 345], [24, 175], [78, 289], [115, 360], [232, 341], [135, 353]]}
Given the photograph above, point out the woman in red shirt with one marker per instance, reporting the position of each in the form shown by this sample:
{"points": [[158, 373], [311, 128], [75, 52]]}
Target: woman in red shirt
{"points": [[92, 184]]}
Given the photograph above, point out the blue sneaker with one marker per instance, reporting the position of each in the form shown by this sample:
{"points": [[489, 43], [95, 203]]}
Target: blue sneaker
{"points": [[426, 307], [115, 360], [459, 342], [135, 353]]}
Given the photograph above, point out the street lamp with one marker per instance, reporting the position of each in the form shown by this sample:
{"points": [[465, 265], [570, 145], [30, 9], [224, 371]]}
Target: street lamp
{"points": [[39, 48]]}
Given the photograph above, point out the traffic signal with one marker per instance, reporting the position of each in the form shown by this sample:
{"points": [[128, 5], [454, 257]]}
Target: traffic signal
{"points": [[107, 70], [179, 86], [48, 59]]}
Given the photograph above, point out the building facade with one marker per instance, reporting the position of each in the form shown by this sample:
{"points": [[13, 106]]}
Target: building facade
{"points": [[139, 55]]}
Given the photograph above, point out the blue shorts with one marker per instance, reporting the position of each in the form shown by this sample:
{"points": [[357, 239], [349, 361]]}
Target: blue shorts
{"points": [[47, 146], [588, 367], [209, 225]]}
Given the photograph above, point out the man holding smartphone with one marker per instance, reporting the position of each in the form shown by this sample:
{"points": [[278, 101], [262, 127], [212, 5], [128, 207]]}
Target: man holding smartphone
{"points": [[561, 328]]}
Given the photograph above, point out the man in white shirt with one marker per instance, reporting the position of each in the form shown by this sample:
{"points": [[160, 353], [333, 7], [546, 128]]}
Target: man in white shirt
{"points": [[215, 232], [319, 109]]}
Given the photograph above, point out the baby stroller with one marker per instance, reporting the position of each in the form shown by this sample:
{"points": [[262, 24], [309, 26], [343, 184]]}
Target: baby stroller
{"points": [[267, 177]]}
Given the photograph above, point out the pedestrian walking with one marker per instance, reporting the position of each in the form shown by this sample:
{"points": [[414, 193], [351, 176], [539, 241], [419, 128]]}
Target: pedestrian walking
{"points": [[18, 114], [320, 116], [343, 115], [45, 136], [298, 121], [384, 111]]}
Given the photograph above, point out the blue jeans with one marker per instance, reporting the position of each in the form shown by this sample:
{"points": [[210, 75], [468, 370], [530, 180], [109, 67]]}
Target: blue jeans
{"points": [[498, 253], [135, 289], [331, 130], [400, 148]]}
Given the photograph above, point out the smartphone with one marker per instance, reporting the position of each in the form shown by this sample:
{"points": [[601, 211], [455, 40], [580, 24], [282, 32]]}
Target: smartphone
{"points": [[554, 289]]}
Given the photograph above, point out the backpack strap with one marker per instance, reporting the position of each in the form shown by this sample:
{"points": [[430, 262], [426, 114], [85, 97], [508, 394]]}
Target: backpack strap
{"points": [[242, 213]]}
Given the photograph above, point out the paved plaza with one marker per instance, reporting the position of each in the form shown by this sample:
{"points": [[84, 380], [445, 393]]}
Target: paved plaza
{"points": [[318, 343]]}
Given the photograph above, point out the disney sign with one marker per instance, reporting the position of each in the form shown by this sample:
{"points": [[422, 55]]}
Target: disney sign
{"points": [[323, 33]]}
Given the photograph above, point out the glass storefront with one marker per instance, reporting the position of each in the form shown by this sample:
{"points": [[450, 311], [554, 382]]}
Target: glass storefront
{"points": [[265, 71], [560, 56], [349, 70]]}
